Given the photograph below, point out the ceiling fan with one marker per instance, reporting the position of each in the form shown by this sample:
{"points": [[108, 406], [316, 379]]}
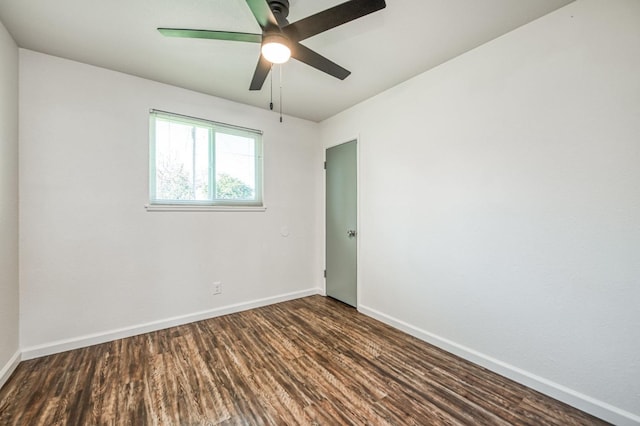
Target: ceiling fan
{"points": [[280, 39]]}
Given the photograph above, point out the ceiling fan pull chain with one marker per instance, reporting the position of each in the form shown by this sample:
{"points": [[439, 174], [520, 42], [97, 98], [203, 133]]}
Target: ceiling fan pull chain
{"points": [[280, 93], [271, 99]]}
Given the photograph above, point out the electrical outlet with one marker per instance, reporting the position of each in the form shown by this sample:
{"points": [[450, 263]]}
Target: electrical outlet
{"points": [[217, 287]]}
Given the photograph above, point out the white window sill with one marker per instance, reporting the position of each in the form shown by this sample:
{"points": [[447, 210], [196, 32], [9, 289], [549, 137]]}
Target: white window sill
{"points": [[194, 208]]}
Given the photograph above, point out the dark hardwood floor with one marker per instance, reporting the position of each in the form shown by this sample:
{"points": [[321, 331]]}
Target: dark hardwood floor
{"points": [[310, 361]]}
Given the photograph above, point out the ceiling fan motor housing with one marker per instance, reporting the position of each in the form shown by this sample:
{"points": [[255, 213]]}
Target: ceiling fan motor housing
{"points": [[280, 7]]}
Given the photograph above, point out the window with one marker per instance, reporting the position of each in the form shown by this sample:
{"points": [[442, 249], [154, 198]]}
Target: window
{"points": [[196, 162]]}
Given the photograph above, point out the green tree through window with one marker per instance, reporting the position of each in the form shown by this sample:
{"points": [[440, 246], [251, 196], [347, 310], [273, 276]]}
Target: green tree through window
{"points": [[229, 187]]}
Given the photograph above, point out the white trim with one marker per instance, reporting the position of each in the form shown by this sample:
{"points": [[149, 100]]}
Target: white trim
{"points": [[358, 227], [120, 333], [197, 120], [195, 208], [562, 393], [9, 368]]}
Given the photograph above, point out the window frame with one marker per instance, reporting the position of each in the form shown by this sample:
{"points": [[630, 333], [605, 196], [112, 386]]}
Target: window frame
{"points": [[211, 204]]}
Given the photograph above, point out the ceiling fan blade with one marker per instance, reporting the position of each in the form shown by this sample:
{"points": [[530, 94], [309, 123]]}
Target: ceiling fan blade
{"points": [[309, 57], [260, 74], [263, 14], [331, 18], [213, 35]]}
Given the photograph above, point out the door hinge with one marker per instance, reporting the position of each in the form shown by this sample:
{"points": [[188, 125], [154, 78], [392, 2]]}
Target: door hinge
{"points": [[325, 165], [325, 273]]}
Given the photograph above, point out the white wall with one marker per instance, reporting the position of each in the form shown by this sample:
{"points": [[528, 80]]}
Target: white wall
{"points": [[94, 261], [9, 305], [500, 205]]}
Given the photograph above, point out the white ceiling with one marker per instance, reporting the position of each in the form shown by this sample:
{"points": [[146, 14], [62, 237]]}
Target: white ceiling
{"points": [[381, 49]]}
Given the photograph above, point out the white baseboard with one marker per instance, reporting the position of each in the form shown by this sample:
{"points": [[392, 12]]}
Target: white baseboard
{"points": [[107, 336], [9, 368], [583, 402]]}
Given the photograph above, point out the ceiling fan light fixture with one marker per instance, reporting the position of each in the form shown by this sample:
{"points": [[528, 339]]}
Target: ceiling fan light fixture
{"points": [[275, 48]]}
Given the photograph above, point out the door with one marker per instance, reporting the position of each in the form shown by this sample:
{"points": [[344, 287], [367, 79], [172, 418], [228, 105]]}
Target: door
{"points": [[341, 222]]}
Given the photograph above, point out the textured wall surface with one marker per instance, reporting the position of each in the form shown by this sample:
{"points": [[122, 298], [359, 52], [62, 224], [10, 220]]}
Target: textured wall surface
{"points": [[8, 203], [93, 260], [500, 203]]}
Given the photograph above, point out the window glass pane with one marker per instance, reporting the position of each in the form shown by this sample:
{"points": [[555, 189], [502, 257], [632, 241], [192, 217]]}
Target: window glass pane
{"points": [[201, 162], [182, 161], [235, 167]]}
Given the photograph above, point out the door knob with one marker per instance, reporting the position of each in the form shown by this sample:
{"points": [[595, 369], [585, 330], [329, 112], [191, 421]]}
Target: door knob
{"points": [[351, 233]]}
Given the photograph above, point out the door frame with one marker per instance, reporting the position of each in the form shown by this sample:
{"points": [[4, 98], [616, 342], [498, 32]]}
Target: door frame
{"points": [[324, 218]]}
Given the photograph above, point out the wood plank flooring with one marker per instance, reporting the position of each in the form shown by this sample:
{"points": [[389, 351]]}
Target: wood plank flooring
{"points": [[311, 361]]}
